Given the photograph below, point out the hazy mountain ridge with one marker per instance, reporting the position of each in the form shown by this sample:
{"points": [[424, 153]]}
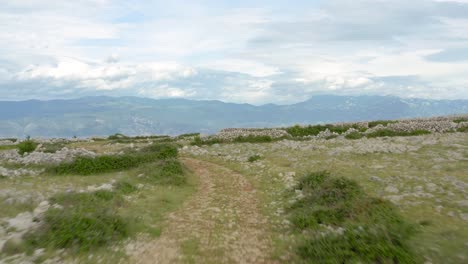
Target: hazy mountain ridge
{"points": [[101, 115]]}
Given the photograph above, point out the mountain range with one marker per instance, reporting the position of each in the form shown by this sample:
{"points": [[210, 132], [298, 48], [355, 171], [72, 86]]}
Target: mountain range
{"points": [[101, 115]]}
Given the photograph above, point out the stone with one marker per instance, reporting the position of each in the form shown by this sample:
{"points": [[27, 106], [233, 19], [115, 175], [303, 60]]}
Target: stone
{"points": [[391, 189]]}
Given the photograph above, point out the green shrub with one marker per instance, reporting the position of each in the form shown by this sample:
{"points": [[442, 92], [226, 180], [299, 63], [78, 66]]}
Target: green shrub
{"points": [[86, 222], [117, 136], [460, 120], [198, 141], [52, 147], [189, 135], [372, 231], [253, 139], [392, 133], [125, 187], [381, 122], [254, 158], [463, 129], [168, 172], [26, 146], [107, 163], [354, 135], [313, 130]]}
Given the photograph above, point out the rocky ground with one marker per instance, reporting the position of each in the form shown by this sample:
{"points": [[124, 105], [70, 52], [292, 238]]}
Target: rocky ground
{"points": [[238, 212]]}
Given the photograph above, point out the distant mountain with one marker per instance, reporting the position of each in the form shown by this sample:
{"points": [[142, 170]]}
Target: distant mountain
{"points": [[93, 116]]}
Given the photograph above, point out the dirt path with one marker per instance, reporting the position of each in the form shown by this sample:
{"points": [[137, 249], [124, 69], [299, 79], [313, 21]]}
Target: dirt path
{"points": [[221, 223]]}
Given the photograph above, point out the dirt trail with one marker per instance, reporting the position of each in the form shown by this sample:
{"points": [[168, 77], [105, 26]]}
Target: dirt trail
{"points": [[220, 223]]}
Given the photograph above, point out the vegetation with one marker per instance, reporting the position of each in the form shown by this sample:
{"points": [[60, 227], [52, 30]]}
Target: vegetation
{"points": [[460, 120], [254, 158], [313, 130], [463, 129], [188, 135], [392, 133], [253, 139], [108, 163], [198, 141], [86, 221], [52, 147], [354, 135], [381, 122], [27, 146], [362, 229]]}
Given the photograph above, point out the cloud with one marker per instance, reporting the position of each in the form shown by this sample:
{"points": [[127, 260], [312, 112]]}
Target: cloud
{"points": [[242, 51]]}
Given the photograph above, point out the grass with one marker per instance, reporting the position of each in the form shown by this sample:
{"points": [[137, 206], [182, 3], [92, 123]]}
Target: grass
{"points": [[86, 222], [52, 147], [109, 163], [7, 147], [391, 133], [372, 230]]}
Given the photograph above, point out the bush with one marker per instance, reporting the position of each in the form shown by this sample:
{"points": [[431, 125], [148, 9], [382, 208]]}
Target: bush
{"points": [[463, 129], [460, 120], [254, 158], [302, 131], [372, 231], [52, 147], [87, 221], [392, 133], [198, 141], [168, 172], [253, 139], [117, 136], [106, 163], [26, 146], [381, 122], [354, 135]]}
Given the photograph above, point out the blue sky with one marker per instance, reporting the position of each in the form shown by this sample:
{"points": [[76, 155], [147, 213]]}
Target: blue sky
{"points": [[238, 51]]}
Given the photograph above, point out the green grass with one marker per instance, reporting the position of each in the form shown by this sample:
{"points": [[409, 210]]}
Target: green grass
{"points": [[391, 133], [381, 122], [7, 147], [86, 222], [52, 147], [26, 146], [165, 172], [372, 229], [109, 163], [354, 135]]}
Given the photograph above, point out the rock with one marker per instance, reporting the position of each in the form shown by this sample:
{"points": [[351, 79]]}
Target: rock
{"points": [[22, 222], [375, 179], [41, 209], [391, 189]]}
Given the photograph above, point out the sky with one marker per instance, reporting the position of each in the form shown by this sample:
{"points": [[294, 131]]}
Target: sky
{"points": [[242, 51]]}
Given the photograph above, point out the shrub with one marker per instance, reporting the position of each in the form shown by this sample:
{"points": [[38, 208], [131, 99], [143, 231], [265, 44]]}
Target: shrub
{"points": [[106, 163], [460, 120], [253, 139], [381, 122], [52, 147], [168, 172], [313, 130], [124, 187], [372, 231], [392, 133], [198, 141], [254, 158], [87, 221], [26, 146], [463, 129], [354, 135], [117, 136]]}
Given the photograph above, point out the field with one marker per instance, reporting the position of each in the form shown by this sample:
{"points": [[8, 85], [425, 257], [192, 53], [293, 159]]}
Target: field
{"points": [[380, 197]]}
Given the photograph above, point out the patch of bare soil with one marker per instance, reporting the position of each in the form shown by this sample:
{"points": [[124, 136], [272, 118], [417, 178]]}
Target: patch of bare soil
{"points": [[220, 223]]}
